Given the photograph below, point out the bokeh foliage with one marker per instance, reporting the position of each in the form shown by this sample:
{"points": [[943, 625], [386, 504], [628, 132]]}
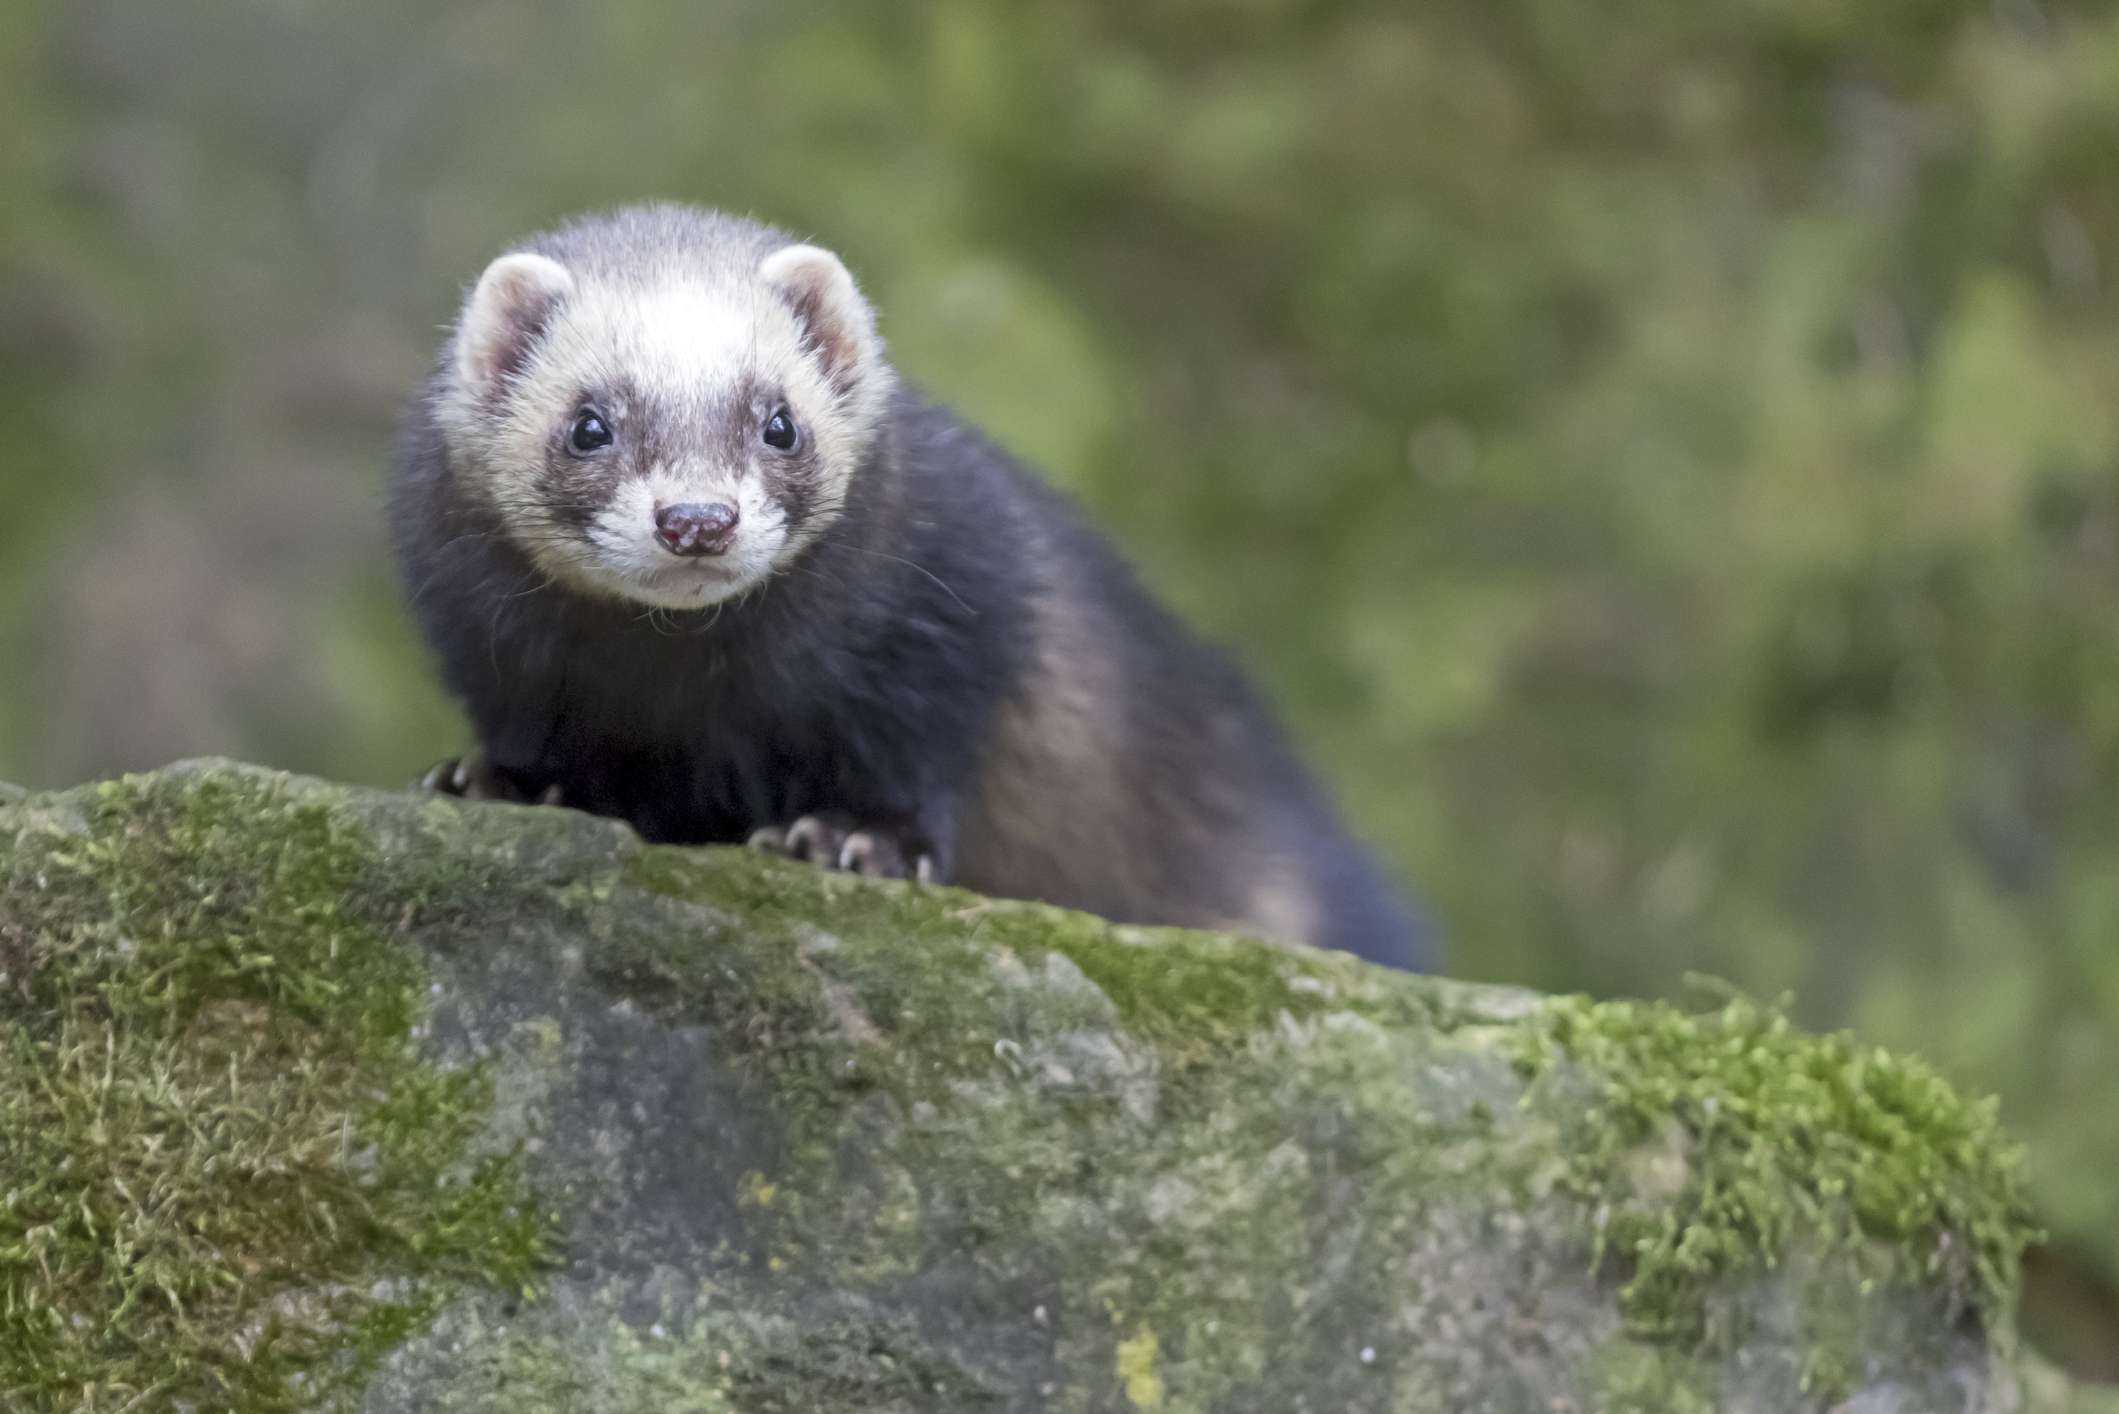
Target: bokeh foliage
{"points": [[1661, 456]]}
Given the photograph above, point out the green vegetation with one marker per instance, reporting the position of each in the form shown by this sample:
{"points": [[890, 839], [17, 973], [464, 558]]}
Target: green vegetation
{"points": [[1712, 1143], [1663, 457], [230, 1180]]}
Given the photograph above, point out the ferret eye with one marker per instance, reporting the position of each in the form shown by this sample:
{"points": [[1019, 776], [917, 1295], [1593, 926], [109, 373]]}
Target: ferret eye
{"points": [[780, 430], [590, 433]]}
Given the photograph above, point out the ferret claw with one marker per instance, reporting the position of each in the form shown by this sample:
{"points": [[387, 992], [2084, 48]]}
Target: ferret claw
{"points": [[816, 840], [470, 777], [832, 842], [455, 775]]}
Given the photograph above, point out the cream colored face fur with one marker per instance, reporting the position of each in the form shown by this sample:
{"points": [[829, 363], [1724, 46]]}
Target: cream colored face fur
{"points": [[684, 364]]}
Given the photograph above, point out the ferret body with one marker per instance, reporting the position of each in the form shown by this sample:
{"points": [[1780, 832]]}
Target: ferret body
{"points": [[693, 557]]}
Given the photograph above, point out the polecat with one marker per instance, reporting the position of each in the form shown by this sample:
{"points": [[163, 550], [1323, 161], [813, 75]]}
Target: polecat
{"points": [[693, 557]]}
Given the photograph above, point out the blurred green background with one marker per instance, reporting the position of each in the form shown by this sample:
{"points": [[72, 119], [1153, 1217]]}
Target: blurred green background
{"points": [[1661, 456]]}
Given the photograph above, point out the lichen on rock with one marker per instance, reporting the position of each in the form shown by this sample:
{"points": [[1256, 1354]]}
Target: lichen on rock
{"points": [[321, 1097], [230, 1173]]}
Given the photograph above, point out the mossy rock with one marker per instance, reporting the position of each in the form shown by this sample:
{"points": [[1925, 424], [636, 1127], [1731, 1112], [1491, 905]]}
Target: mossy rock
{"points": [[316, 1097]]}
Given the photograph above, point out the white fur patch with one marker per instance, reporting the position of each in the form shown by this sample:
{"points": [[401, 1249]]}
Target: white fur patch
{"points": [[840, 326], [687, 335], [515, 293]]}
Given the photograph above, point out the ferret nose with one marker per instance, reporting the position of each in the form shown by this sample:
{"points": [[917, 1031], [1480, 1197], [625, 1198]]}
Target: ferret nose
{"points": [[689, 529]]}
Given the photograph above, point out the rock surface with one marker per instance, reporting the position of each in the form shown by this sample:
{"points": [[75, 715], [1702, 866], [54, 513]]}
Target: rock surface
{"points": [[323, 1097]]}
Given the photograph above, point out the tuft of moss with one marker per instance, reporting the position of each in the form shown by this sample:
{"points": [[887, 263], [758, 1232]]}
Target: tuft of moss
{"points": [[1709, 1144], [227, 1178]]}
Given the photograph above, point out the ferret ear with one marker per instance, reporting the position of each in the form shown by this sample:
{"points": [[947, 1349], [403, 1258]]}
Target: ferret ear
{"points": [[840, 324], [513, 303]]}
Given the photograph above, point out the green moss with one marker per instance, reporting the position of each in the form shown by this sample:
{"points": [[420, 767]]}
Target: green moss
{"points": [[1194, 995], [1828, 1371], [231, 1179], [1630, 1379], [1712, 1143], [1197, 993]]}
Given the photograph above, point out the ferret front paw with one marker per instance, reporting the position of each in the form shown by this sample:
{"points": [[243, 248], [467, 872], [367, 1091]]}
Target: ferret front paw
{"points": [[834, 841], [472, 777]]}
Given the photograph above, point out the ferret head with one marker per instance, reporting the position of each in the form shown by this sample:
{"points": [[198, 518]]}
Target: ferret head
{"points": [[664, 406]]}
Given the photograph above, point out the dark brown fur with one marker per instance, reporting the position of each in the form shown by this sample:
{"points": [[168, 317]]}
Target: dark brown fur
{"points": [[956, 665]]}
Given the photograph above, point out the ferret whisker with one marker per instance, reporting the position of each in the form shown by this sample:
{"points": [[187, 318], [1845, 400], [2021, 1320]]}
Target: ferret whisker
{"points": [[939, 582]]}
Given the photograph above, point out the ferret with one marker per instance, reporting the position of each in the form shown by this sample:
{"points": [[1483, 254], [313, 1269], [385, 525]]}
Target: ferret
{"points": [[693, 556]]}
